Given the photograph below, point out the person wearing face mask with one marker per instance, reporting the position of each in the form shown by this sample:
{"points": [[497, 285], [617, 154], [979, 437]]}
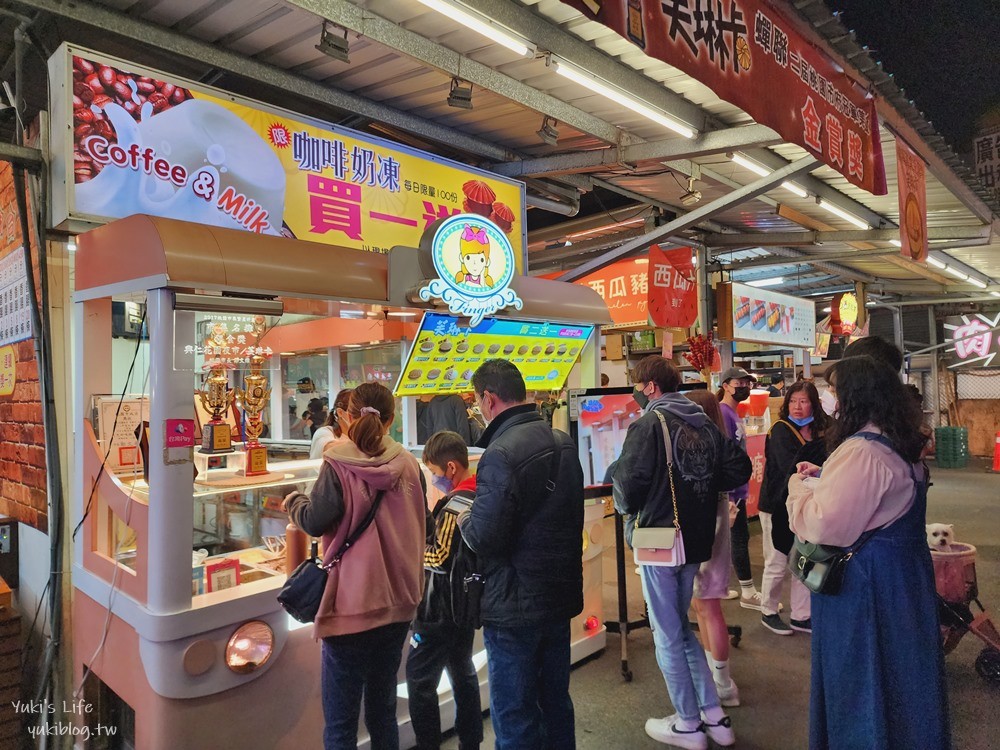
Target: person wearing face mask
{"points": [[796, 436], [736, 385], [439, 642], [336, 425]]}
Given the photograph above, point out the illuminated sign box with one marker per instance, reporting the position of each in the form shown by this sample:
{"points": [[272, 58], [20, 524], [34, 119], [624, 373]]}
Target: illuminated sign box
{"points": [[759, 316], [445, 355], [132, 140]]}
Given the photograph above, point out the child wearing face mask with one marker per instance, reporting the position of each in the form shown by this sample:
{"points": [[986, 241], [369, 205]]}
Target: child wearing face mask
{"points": [[438, 641]]}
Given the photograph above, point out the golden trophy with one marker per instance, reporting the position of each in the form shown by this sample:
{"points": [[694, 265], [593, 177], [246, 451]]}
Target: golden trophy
{"points": [[253, 400], [216, 398]]}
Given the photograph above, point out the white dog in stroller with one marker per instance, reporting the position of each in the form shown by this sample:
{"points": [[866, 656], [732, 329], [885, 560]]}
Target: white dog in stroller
{"points": [[940, 536]]}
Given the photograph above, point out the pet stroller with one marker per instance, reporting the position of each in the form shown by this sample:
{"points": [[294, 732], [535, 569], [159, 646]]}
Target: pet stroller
{"points": [[955, 581]]}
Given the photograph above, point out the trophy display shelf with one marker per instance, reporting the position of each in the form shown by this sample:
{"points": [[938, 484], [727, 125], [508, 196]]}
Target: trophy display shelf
{"points": [[233, 473]]}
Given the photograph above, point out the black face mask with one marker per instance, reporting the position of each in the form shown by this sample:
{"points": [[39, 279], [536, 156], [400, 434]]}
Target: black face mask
{"points": [[640, 398], [741, 394]]}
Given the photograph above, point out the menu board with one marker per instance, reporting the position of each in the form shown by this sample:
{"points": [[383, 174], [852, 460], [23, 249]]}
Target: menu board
{"points": [[445, 355], [765, 317]]}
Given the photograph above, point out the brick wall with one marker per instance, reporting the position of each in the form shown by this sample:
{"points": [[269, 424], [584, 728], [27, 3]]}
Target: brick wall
{"points": [[22, 437]]}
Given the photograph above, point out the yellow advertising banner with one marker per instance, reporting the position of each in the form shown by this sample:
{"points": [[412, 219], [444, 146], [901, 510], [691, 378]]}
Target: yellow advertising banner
{"points": [[129, 140]]}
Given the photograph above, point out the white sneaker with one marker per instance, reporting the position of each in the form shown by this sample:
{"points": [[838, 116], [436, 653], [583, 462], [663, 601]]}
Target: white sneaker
{"points": [[665, 731], [729, 696], [751, 602], [721, 733]]}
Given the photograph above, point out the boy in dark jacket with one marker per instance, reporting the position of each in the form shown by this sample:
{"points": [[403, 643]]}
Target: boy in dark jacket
{"points": [[439, 642]]}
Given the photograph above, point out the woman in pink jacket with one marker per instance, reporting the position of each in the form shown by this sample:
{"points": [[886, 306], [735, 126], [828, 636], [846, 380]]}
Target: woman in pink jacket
{"points": [[372, 593]]}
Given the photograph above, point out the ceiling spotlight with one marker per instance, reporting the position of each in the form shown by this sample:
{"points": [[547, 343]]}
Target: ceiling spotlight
{"points": [[692, 196], [548, 132], [334, 45], [460, 96]]}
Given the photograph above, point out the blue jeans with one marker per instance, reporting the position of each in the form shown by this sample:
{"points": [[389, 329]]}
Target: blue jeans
{"points": [[689, 680], [529, 686], [356, 665]]}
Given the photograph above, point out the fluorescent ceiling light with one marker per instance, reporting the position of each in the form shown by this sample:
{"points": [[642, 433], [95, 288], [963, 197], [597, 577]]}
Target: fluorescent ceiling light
{"points": [[400, 314], [935, 262], [767, 282], [351, 346], [751, 165], [897, 243], [995, 294], [827, 309], [763, 171], [978, 282], [483, 25], [838, 211], [956, 273], [791, 187], [619, 97]]}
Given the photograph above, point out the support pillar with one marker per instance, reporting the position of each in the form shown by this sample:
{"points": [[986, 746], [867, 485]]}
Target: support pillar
{"points": [[934, 398]]}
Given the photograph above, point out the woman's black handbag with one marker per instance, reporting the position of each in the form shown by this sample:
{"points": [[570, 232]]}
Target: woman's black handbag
{"points": [[821, 567], [303, 590]]}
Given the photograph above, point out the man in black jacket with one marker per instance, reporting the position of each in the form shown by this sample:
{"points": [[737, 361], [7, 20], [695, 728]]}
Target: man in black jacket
{"points": [[525, 527], [703, 464]]}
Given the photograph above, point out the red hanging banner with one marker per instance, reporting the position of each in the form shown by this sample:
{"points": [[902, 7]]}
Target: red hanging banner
{"points": [[750, 55], [912, 176], [673, 288]]}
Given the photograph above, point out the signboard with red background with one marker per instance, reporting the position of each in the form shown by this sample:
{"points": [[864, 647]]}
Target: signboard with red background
{"points": [[623, 285], [912, 176], [673, 288], [751, 55]]}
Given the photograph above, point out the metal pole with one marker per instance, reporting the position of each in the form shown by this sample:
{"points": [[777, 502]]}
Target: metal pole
{"points": [[897, 331], [935, 404]]}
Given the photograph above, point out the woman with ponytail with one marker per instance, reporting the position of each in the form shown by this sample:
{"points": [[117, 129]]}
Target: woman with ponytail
{"points": [[373, 592]]}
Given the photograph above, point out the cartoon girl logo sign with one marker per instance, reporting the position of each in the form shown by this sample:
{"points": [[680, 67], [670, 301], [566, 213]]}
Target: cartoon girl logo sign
{"points": [[474, 251], [474, 261]]}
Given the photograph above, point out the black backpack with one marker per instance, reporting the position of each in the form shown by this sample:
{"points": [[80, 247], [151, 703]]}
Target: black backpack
{"points": [[465, 582]]}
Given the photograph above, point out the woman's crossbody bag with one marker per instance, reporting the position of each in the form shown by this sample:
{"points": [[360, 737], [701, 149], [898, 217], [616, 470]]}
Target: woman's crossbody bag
{"points": [[657, 545]]}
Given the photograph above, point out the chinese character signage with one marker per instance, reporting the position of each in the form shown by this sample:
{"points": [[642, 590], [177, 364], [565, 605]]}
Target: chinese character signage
{"points": [[986, 150], [15, 298], [673, 288], [749, 54], [445, 355], [623, 285], [912, 203], [972, 342], [475, 263], [761, 316], [129, 140]]}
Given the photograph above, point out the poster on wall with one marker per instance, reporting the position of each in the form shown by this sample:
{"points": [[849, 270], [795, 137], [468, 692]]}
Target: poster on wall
{"points": [[760, 316], [127, 140], [15, 298], [751, 55]]}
